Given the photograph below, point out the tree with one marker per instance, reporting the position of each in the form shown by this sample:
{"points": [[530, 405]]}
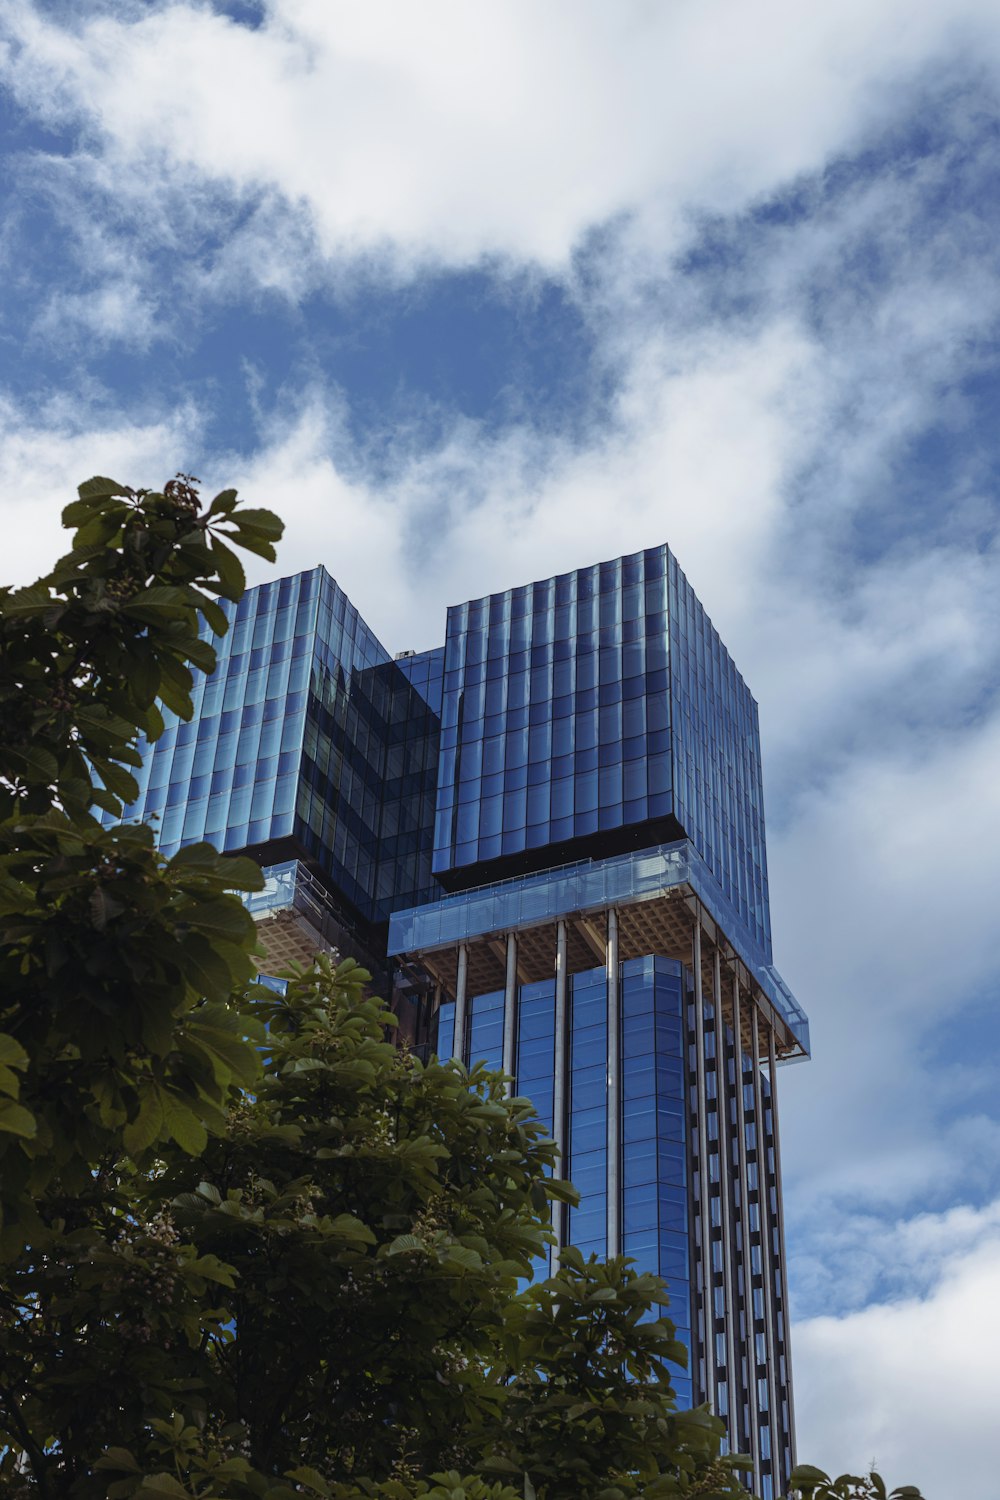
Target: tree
{"points": [[249, 1247]]}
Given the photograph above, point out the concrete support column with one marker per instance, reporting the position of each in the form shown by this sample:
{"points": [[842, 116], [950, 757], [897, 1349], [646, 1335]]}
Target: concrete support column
{"points": [[559, 1083], [707, 1280], [766, 1248], [614, 1090], [772, 1063], [461, 1002], [750, 1342], [725, 1188], [510, 1011]]}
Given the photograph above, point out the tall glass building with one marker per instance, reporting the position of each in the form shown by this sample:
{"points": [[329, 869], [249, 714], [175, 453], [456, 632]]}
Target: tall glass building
{"points": [[547, 836]]}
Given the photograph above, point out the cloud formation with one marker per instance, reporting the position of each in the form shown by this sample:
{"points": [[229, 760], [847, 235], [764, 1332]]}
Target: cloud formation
{"points": [[450, 135], [777, 226], [870, 1384]]}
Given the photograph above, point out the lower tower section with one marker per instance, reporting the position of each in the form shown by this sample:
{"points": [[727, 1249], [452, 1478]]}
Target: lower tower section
{"points": [[649, 1045]]}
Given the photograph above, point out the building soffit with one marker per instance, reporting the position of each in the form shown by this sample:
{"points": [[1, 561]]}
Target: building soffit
{"points": [[653, 924]]}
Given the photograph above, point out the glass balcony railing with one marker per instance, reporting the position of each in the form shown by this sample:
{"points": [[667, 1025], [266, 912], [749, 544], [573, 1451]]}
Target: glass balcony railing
{"points": [[295, 916], [593, 885]]}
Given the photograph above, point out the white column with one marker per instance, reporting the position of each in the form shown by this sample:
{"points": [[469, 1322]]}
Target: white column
{"points": [[704, 1194], [461, 1002], [510, 1011], [766, 1246], [614, 1090], [559, 1084], [773, 1070], [725, 1185], [750, 1345]]}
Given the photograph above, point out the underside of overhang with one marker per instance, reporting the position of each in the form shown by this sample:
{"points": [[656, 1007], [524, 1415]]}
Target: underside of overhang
{"points": [[663, 925]]}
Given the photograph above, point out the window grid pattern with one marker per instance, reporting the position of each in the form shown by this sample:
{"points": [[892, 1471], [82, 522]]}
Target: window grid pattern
{"points": [[555, 712], [534, 1068], [587, 1133], [484, 1041], [230, 774], [716, 748], [409, 782], [765, 1199], [348, 716], [307, 731], [750, 1311], [445, 1043], [655, 1219]]}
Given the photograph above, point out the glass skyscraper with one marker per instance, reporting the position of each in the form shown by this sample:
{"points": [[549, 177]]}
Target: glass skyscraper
{"points": [[547, 837]]}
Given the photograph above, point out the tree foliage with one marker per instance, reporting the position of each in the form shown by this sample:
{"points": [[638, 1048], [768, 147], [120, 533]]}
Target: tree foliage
{"points": [[812, 1484], [249, 1247]]}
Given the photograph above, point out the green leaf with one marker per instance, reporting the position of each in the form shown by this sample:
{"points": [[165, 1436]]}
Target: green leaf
{"points": [[143, 674], [103, 527], [16, 1120], [120, 783], [183, 1125], [404, 1242], [39, 764], [223, 504], [105, 801], [198, 856], [119, 1459], [305, 1475], [225, 917], [264, 522], [461, 1255], [12, 1054], [232, 579], [242, 873], [351, 1228], [206, 969], [201, 655], [103, 907], [161, 599], [215, 616], [100, 488], [163, 1487], [257, 546], [562, 1190], [211, 1268], [231, 1056], [176, 673], [141, 1132]]}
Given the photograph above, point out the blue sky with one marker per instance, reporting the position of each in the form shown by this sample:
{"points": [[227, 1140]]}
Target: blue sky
{"points": [[475, 294]]}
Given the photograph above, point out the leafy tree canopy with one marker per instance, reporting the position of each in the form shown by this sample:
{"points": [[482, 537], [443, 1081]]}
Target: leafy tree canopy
{"points": [[248, 1247]]}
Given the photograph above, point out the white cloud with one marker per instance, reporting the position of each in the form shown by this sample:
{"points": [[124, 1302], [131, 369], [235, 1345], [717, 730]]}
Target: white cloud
{"points": [[115, 313], [912, 1383], [884, 891], [456, 132], [44, 455]]}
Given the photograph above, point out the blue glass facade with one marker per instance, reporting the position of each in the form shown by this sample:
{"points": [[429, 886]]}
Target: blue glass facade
{"points": [[308, 740], [718, 792], [597, 710], [655, 1178], [555, 716], [697, 1178], [587, 1125], [551, 829], [655, 1183]]}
